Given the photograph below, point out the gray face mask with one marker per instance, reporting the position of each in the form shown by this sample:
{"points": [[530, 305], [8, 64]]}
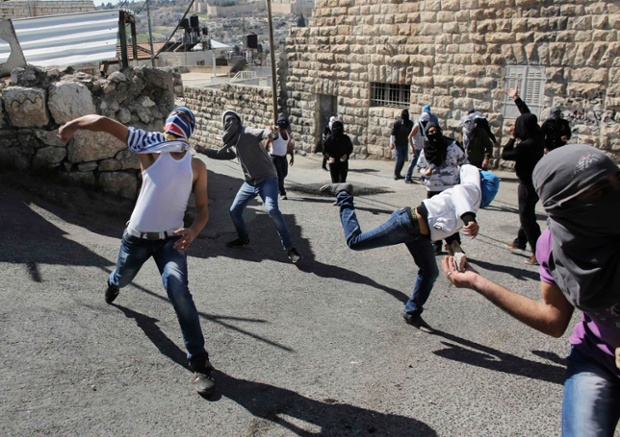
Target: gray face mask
{"points": [[585, 259]]}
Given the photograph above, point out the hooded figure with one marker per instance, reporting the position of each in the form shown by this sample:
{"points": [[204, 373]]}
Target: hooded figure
{"points": [[525, 148], [399, 141], [433, 117], [435, 145], [261, 179], [338, 147], [557, 130], [585, 257]]}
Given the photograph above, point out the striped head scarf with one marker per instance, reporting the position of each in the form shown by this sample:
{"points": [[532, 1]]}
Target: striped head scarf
{"points": [[180, 123]]}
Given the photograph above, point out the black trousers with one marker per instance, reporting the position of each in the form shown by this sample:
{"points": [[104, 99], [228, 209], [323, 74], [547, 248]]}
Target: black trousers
{"points": [[339, 171], [529, 230], [281, 166]]}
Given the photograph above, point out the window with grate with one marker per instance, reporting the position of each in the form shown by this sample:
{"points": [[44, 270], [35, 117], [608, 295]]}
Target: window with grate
{"points": [[387, 94], [531, 82]]}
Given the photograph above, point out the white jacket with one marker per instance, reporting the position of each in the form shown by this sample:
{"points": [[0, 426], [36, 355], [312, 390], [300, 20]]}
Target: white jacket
{"points": [[446, 208]]}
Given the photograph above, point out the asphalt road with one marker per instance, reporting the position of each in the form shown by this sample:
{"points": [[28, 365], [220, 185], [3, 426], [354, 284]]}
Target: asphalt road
{"points": [[314, 349]]}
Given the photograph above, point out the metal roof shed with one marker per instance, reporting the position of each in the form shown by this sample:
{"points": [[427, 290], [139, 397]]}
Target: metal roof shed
{"points": [[71, 39]]}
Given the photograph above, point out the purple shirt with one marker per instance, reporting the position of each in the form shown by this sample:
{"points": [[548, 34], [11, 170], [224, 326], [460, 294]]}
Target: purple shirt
{"points": [[598, 333]]}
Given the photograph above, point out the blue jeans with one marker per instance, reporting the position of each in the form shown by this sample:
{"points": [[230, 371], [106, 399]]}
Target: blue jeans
{"points": [[412, 164], [281, 165], [591, 404], [397, 229], [402, 153], [172, 265], [268, 192]]}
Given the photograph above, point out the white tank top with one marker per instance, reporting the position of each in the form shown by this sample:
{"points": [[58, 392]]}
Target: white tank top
{"points": [[166, 186], [279, 146]]}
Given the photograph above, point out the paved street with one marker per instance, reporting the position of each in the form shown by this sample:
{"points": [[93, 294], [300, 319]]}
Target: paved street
{"points": [[314, 349]]}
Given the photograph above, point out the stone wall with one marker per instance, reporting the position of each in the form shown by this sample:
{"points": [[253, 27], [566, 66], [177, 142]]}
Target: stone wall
{"points": [[252, 103], [36, 102], [454, 54], [13, 9]]}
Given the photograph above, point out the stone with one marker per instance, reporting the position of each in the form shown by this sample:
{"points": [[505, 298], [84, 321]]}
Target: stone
{"points": [[119, 183], [92, 146], [25, 106], [49, 157], [69, 100]]}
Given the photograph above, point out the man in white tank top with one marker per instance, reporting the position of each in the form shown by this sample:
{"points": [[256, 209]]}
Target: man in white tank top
{"points": [[155, 228], [278, 149]]}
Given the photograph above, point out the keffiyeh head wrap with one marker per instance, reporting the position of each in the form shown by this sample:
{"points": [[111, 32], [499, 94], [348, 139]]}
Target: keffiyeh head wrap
{"points": [[435, 145], [585, 257], [180, 123]]}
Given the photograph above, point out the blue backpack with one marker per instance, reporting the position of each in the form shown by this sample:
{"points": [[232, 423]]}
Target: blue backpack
{"points": [[489, 186]]}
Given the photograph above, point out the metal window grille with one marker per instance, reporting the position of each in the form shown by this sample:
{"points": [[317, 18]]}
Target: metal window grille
{"points": [[531, 82], [386, 94]]}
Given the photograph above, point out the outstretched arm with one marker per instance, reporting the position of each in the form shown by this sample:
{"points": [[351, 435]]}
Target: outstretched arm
{"points": [[550, 315], [93, 123], [514, 94], [201, 199]]}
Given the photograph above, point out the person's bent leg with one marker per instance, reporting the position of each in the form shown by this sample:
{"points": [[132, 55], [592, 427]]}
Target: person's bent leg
{"points": [[268, 192], [172, 265], [591, 403], [423, 255], [244, 195], [131, 256], [527, 214], [411, 168], [397, 229]]}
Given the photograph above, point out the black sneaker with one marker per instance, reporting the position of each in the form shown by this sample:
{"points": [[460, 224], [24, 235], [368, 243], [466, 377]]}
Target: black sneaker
{"points": [[417, 321], [437, 246], [293, 255], [111, 293], [408, 181], [202, 380], [238, 242], [337, 188]]}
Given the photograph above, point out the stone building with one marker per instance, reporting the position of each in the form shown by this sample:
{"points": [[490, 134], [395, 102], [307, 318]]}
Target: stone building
{"points": [[366, 60], [13, 9]]}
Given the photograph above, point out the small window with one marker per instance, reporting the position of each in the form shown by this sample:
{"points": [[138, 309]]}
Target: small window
{"points": [[531, 82], [387, 94]]}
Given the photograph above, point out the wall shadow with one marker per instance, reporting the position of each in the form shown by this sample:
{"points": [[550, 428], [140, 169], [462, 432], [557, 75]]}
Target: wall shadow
{"points": [[30, 238]]}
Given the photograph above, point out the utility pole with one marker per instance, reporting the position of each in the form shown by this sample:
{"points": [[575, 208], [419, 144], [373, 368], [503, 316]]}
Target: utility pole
{"points": [[148, 16], [273, 64]]}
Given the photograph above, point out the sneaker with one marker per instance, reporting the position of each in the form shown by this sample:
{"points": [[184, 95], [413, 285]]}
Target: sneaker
{"points": [[531, 260], [408, 181], [336, 188], [283, 197], [238, 242], [293, 255], [397, 177], [202, 380], [513, 245], [437, 245], [417, 321], [111, 293]]}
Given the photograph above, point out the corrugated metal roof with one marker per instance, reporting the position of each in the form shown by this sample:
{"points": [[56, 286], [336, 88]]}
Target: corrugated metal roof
{"points": [[69, 39]]}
